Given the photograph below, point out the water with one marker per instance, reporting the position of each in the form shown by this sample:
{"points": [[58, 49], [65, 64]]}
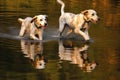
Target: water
{"points": [[54, 59]]}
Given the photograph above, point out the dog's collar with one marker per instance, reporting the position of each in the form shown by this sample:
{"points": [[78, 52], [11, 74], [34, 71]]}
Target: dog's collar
{"points": [[85, 19], [37, 26]]}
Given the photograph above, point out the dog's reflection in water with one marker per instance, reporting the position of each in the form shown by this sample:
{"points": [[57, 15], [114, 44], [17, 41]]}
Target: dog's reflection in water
{"points": [[34, 51], [76, 55]]}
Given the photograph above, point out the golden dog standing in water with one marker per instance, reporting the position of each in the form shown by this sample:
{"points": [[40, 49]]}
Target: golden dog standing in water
{"points": [[33, 26], [77, 22]]}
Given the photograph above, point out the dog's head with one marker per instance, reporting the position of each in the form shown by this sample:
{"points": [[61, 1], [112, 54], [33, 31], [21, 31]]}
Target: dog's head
{"points": [[40, 61], [90, 15], [40, 21], [88, 67]]}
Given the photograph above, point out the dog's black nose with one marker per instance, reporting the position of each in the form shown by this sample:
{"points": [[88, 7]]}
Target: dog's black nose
{"points": [[98, 18], [46, 24]]}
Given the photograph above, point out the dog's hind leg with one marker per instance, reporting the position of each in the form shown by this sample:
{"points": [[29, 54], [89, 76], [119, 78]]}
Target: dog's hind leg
{"points": [[69, 32], [22, 31], [61, 29]]}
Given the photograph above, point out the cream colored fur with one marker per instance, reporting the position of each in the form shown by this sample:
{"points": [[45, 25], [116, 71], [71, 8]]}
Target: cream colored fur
{"points": [[33, 26], [77, 22]]}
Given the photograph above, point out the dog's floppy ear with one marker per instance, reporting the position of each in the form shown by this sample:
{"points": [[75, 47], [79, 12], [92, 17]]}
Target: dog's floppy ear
{"points": [[85, 12], [34, 18]]}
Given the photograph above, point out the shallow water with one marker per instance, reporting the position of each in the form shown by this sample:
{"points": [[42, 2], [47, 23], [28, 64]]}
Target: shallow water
{"points": [[54, 59]]}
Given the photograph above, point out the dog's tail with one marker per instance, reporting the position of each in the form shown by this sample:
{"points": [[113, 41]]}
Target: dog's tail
{"points": [[20, 20], [62, 7]]}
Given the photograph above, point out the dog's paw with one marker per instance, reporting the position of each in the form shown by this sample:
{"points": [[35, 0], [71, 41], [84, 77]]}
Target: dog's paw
{"points": [[19, 36]]}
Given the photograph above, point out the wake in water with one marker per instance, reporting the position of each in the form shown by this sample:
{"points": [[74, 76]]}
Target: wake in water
{"points": [[16, 37], [3, 35], [49, 35]]}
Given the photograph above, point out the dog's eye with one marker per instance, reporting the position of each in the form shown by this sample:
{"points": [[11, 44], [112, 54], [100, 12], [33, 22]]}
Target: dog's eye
{"points": [[91, 67], [93, 14], [40, 19]]}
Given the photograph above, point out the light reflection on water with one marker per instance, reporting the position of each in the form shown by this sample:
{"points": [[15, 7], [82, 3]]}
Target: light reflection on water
{"points": [[76, 55], [34, 51], [64, 60]]}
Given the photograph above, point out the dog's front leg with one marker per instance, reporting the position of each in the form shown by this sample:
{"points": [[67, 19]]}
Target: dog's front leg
{"points": [[40, 34], [32, 33], [85, 36], [86, 26], [32, 36], [86, 32]]}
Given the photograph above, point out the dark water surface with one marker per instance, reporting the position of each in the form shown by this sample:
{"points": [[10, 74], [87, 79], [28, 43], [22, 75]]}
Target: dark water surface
{"points": [[54, 59]]}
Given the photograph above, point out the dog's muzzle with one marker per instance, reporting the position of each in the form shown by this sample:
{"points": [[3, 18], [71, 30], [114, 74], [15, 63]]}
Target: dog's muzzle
{"points": [[45, 25], [95, 21], [40, 26]]}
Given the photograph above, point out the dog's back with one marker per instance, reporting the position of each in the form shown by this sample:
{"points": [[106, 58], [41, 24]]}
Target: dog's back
{"points": [[25, 21]]}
